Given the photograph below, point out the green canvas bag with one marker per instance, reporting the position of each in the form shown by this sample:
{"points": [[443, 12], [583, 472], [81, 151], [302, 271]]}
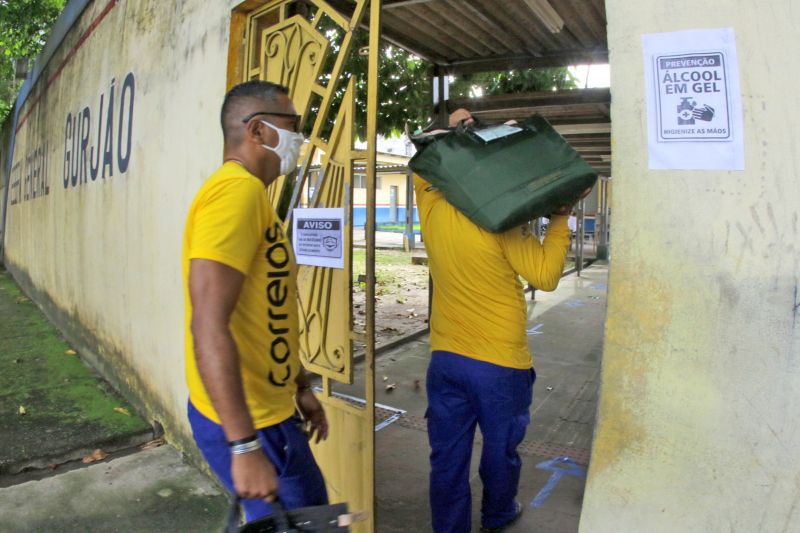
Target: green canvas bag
{"points": [[503, 176]]}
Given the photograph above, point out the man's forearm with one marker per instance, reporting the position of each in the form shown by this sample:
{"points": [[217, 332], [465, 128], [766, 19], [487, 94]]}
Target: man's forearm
{"points": [[218, 365]]}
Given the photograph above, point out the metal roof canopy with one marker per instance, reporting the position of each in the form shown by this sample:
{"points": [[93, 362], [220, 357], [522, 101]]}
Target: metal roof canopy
{"points": [[469, 36]]}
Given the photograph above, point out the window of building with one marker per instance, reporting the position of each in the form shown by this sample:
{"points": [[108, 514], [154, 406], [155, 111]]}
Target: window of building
{"points": [[360, 181]]}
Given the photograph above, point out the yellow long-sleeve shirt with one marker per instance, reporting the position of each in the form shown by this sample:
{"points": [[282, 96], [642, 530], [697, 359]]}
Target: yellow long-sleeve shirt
{"points": [[479, 306]]}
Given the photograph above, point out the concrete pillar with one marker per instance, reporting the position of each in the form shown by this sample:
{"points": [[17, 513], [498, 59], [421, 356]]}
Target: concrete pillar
{"points": [[393, 193], [602, 221], [699, 415]]}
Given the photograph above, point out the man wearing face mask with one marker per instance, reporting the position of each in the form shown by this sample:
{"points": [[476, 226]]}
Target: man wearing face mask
{"points": [[242, 365]]}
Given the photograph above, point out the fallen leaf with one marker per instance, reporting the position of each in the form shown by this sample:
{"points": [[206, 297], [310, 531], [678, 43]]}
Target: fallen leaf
{"points": [[122, 410], [52, 466], [416, 384], [97, 455], [385, 378], [22, 299], [71, 352], [153, 444], [390, 387], [22, 411]]}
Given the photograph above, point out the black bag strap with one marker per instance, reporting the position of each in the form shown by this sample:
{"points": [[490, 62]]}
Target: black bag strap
{"points": [[234, 516], [279, 516]]}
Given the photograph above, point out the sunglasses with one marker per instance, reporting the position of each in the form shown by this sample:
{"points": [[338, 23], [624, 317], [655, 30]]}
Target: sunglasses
{"points": [[296, 118]]}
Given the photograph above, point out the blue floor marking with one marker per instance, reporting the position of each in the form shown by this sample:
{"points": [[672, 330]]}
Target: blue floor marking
{"points": [[572, 469], [535, 330]]}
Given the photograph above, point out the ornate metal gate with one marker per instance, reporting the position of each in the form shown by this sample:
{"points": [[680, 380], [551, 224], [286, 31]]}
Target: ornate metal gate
{"points": [[304, 45]]}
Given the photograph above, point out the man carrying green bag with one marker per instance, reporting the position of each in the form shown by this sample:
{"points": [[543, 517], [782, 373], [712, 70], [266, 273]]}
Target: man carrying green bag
{"points": [[481, 370]]}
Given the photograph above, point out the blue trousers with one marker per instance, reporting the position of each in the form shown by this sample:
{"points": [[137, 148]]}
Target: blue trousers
{"points": [[463, 393], [300, 482]]}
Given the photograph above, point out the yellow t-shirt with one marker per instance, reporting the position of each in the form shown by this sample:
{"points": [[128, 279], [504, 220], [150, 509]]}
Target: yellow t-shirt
{"points": [[478, 305], [231, 221]]}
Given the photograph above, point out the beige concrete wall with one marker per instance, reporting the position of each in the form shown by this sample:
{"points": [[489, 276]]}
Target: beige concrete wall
{"points": [[699, 421], [102, 254]]}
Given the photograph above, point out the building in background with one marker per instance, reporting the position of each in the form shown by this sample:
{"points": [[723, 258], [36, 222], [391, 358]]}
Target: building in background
{"points": [[391, 184]]}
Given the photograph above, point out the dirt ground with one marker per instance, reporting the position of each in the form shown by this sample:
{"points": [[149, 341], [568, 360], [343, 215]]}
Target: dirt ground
{"points": [[401, 294]]}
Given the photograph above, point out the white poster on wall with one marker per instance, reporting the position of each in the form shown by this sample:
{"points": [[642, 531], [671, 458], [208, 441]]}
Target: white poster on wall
{"points": [[694, 104], [318, 237]]}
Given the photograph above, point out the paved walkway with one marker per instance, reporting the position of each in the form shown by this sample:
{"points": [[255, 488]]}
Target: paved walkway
{"points": [[565, 333], [151, 491], [384, 240]]}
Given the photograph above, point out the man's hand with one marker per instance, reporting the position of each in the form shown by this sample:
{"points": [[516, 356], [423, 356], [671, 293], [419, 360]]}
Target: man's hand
{"points": [[460, 115], [313, 414], [567, 209], [254, 476]]}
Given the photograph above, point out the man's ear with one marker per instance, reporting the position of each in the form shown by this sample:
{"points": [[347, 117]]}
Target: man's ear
{"points": [[257, 134]]}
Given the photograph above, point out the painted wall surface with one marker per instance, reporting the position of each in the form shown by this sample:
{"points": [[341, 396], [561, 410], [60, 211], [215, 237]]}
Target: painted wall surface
{"points": [[116, 138], [382, 198], [6, 130], [699, 417]]}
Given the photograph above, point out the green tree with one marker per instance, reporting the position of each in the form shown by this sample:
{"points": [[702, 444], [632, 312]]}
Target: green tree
{"points": [[512, 81], [404, 93], [24, 25]]}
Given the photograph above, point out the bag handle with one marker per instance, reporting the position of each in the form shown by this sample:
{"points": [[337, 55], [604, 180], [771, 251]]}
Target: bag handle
{"points": [[279, 516], [463, 127]]}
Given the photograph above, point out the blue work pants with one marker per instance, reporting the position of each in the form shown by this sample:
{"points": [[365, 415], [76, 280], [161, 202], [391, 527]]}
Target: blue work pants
{"points": [[463, 393]]}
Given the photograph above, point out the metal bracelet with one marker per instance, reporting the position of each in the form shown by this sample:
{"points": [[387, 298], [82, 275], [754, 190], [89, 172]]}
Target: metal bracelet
{"points": [[239, 449], [245, 440]]}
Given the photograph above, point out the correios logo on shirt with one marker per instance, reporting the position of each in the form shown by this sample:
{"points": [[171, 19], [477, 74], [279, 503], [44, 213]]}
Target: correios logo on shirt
{"points": [[278, 258]]}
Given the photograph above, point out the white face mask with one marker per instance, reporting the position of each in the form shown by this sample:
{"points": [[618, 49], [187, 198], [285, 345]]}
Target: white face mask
{"points": [[288, 149]]}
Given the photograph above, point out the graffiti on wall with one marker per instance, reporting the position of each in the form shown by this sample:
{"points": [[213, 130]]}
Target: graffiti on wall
{"points": [[29, 176], [94, 140], [97, 141]]}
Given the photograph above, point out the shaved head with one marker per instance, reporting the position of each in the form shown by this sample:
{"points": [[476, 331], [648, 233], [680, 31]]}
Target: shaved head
{"points": [[244, 99]]}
